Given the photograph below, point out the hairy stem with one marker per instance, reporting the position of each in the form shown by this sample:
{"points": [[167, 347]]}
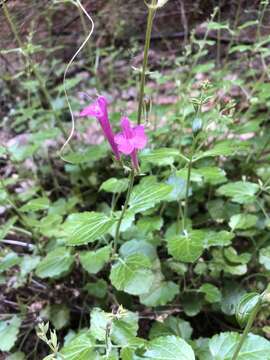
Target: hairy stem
{"points": [[247, 329], [151, 15], [117, 231]]}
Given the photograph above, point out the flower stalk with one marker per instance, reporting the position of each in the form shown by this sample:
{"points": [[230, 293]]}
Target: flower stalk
{"points": [[151, 14], [124, 209]]}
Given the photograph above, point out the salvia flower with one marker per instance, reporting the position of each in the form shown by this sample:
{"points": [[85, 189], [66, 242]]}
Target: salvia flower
{"points": [[99, 110], [130, 140]]}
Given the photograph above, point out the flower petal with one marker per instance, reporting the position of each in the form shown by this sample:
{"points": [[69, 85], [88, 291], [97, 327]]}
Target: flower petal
{"points": [[124, 145], [126, 127], [139, 139]]}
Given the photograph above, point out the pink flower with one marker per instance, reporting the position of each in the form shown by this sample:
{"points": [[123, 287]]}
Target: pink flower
{"points": [[130, 140], [99, 110]]}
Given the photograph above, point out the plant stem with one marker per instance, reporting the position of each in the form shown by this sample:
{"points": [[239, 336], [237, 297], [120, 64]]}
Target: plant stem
{"points": [[151, 15], [247, 329], [117, 231], [187, 191]]}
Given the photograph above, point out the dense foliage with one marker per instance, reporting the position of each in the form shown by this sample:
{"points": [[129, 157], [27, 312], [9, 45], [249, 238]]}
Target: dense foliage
{"points": [[174, 267]]}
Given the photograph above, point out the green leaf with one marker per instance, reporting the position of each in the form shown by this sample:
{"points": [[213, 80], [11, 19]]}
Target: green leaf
{"points": [[171, 326], [18, 355], [28, 264], [178, 185], [92, 154], [231, 255], [242, 192], [222, 347], [264, 257], [132, 274], [192, 303], [187, 247], [160, 156], [36, 205], [87, 227], [148, 224], [160, 294], [114, 185], [212, 175], [242, 221], [245, 307], [218, 26], [138, 247], [11, 259], [9, 330], [57, 262], [98, 289], [232, 294], [93, 261], [59, 316], [6, 227], [124, 327], [212, 293], [218, 238], [169, 348], [224, 148], [80, 348], [147, 194]]}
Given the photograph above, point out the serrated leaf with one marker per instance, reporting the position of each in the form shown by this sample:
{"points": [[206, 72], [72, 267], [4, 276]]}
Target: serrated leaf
{"points": [[211, 292], [187, 247], [80, 348], [212, 175], [147, 194], [160, 156], [92, 154], [9, 330], [222, 347], [169, 348], [242, 192], [114, 185], [242, 221], [218, 238], [124, 327], [132, 274], [36, 205], [87, 227], [160, 293], [224, 148], [148, 224], [56, 263], [98, 289], [93, 261], [171, 326]]}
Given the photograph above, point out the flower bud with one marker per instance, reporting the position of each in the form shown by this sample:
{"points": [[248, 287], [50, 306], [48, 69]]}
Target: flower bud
{"points": [[161, 3], [156, 4]]}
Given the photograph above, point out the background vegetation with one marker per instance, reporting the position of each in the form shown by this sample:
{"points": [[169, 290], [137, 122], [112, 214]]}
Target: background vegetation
{"points": [[192, 267]]}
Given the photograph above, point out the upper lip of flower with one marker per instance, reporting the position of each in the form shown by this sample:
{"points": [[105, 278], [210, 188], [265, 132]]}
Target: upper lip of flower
{"points": [[131, 138]]}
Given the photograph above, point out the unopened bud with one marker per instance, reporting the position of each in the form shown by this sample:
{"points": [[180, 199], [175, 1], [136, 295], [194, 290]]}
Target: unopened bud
{"points": [[156, 4]]}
